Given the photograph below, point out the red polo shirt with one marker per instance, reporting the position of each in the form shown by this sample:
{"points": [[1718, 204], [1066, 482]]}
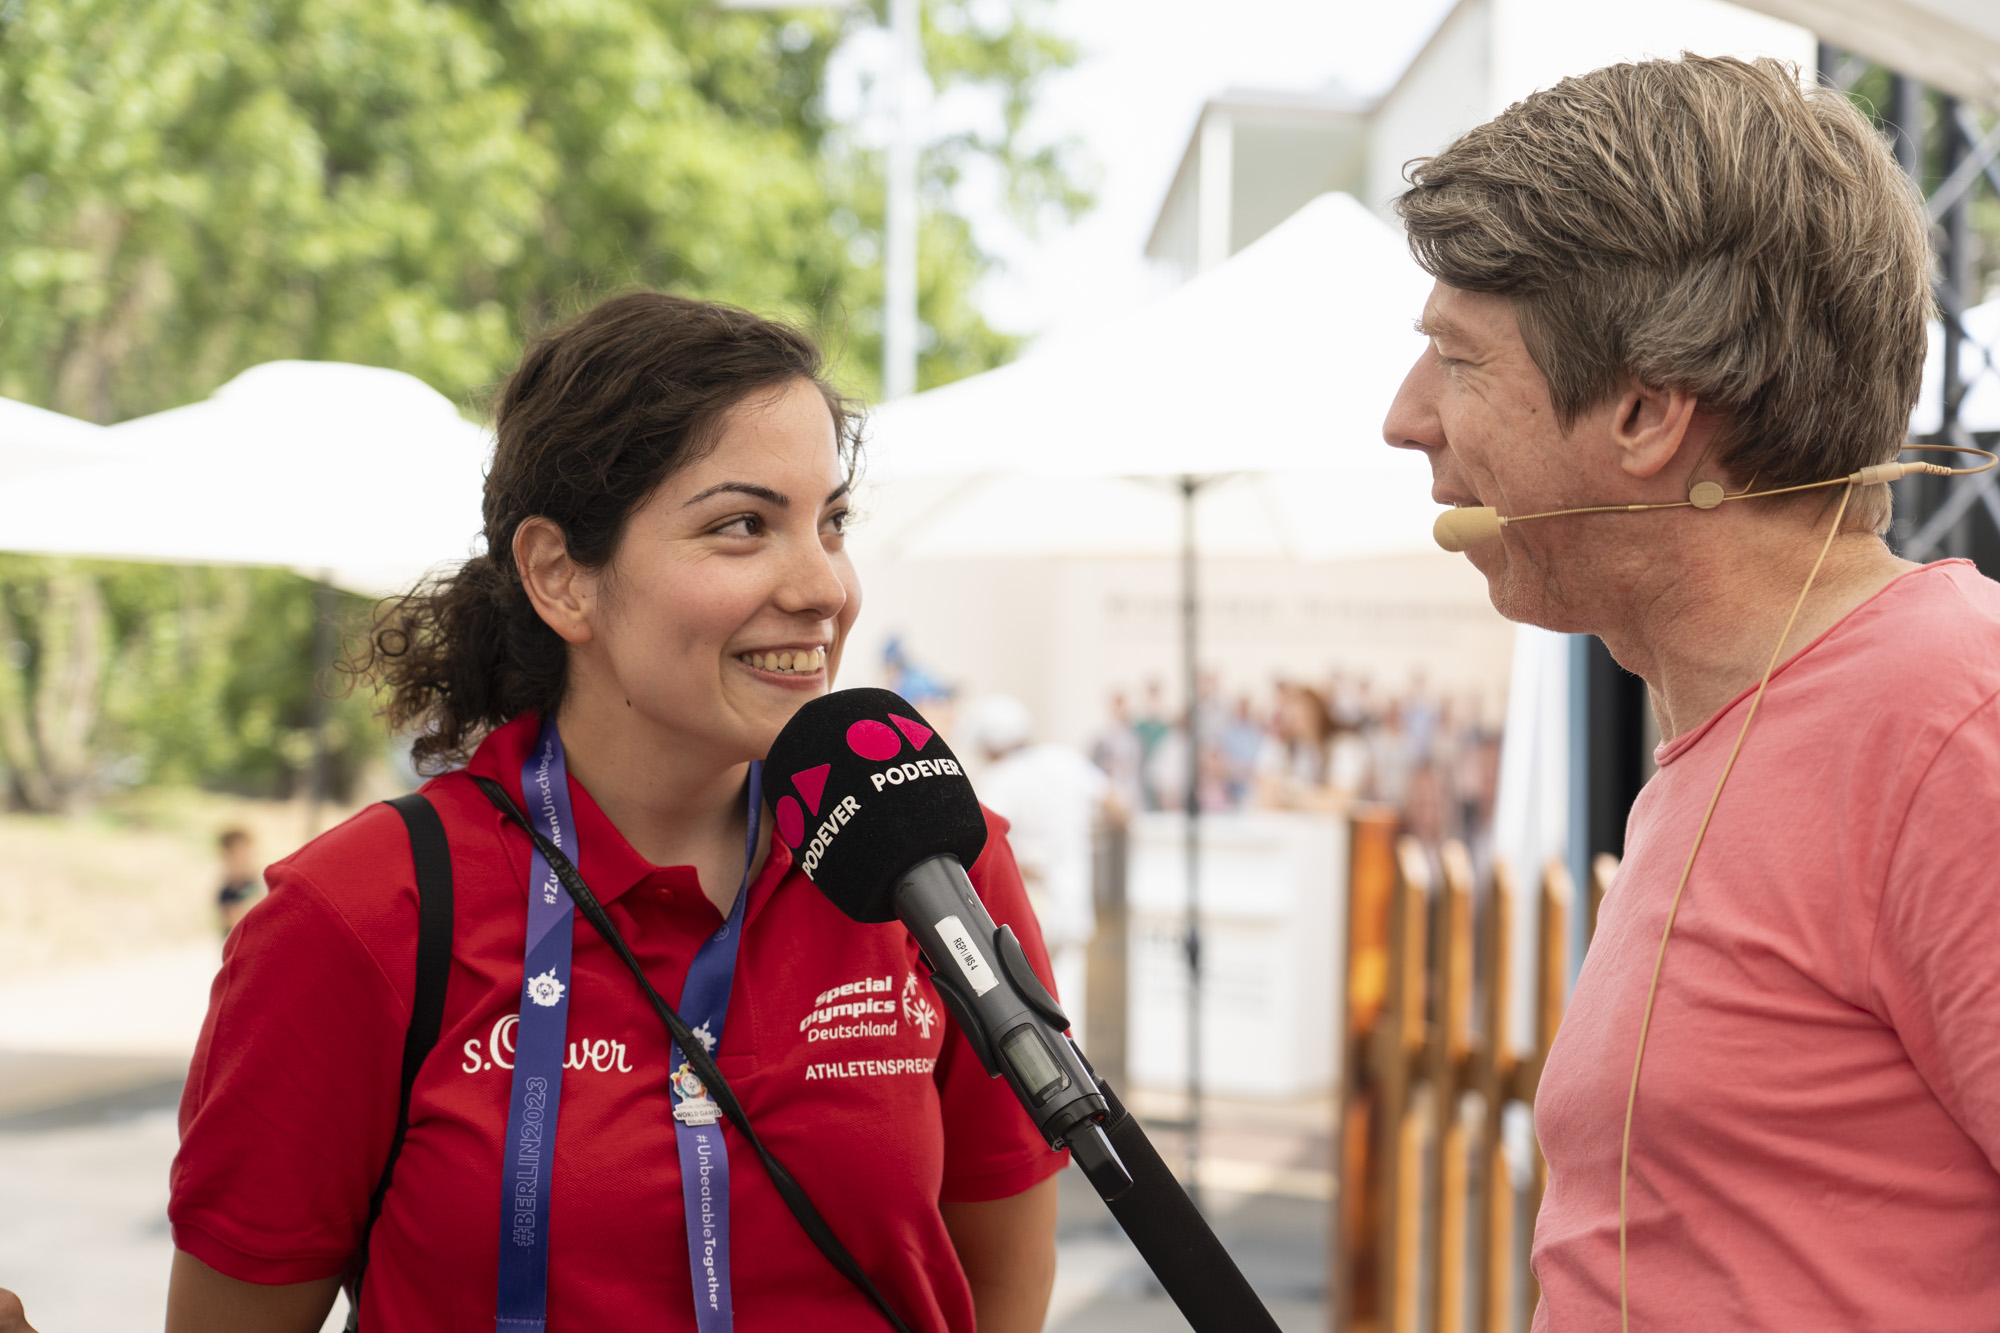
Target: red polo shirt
{"points": [[291, 1101]]}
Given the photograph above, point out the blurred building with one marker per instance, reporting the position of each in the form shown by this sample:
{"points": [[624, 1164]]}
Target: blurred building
{"points": [[1256, 156]]}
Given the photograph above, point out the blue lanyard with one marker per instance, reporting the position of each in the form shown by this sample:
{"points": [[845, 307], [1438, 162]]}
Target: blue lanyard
{"points": [[536, 1094]]}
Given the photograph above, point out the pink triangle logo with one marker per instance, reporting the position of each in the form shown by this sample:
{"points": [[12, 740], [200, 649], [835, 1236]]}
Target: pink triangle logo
{"points": [[916, 731], [812, 785]]}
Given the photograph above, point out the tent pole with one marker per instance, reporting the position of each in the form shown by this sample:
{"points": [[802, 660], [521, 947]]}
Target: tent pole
{"points": [[1190, 665], [319, 782]]}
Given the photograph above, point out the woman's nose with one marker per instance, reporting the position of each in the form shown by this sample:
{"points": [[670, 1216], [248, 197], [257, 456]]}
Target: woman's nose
{"points": [[812, 582]]}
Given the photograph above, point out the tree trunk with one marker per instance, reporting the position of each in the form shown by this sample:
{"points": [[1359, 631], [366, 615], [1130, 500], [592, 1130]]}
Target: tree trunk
{"points": [[49, 713], [17, 742]]}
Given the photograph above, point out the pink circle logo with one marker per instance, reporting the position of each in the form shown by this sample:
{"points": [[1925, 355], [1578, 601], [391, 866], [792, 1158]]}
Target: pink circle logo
{"points": [[791, 821], [874, 740]]}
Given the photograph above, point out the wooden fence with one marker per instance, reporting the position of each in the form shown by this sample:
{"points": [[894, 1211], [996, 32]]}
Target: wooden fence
{"points": [[1432, 1226]]}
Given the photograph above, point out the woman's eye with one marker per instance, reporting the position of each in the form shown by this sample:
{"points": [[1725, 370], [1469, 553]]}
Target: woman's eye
{"points": [[837, 520], [743, 525]]}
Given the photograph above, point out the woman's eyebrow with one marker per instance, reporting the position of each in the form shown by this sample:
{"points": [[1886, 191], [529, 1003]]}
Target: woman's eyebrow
{"points": [[764, 493], [837, 493]]}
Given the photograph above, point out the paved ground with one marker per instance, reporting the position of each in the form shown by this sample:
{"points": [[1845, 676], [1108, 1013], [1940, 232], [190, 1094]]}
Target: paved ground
{"points": [[83, 1236], [1277, 1236]]}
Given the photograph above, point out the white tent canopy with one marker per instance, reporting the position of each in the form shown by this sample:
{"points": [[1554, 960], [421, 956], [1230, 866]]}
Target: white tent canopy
{"points": [[33, 439], [1979, 371], [1953, 45], [364, 475], [1277, 366]]}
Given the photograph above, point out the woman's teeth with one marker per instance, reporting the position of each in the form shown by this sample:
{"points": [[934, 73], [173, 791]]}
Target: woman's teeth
{"points": [[802, 662]]}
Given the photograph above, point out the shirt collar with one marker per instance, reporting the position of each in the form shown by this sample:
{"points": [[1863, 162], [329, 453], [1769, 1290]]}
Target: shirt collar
{"points": [[608, 863]]}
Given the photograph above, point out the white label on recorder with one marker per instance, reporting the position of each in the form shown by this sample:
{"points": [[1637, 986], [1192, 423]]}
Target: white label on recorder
{"points": [[970, 961]]}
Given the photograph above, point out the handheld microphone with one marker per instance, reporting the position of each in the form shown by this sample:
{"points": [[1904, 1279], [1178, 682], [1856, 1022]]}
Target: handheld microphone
{"points": [[884, 823], [897, 824], [1467, 526]]}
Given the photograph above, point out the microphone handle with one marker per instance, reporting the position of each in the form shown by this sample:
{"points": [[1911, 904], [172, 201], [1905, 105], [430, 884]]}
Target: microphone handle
{"points": [[1015, 1026], [981, 974], [1174, 1238]]}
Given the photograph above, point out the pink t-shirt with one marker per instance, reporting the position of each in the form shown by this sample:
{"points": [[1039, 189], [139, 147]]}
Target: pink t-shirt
{"points": [[1817, 1139]]}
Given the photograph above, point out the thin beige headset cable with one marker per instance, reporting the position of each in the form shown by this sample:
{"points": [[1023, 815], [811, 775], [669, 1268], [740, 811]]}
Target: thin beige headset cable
{"points": [[1463, 527], [1855, 479], [1673, 908]]}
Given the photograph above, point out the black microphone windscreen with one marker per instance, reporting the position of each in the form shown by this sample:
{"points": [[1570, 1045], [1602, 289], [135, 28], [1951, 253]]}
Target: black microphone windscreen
{"points": [[862, 789]]}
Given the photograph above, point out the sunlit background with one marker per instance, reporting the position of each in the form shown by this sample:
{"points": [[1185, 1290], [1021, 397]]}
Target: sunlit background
{"points": [[1121, 285]]}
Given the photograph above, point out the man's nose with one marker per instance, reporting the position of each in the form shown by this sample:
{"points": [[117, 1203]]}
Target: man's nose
{"points": [[1412, 422]]}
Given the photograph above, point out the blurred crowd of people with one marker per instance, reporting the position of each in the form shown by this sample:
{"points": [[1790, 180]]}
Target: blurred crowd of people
{"points": [[1323, 745]]}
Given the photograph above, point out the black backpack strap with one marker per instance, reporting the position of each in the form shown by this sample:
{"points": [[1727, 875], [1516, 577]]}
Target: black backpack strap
{"points": [[430, 851]]}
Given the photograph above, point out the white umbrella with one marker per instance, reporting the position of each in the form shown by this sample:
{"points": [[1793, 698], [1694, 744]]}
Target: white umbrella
{"points": [[1949, 44], [1285, 357], [1264, 380], [33, 439], [1979, 371], [1248, 407], [362, 476]]}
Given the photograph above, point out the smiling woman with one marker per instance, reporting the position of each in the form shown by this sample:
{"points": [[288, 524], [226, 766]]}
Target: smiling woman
{"points": [[600, 416], [665, 581]]}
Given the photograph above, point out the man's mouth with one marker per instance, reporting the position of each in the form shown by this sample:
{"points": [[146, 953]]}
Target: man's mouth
{"points": [[788, 661]]}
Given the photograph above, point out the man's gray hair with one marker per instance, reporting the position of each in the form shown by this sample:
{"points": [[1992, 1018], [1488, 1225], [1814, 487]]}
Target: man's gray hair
{"points": [[1704, 224]]}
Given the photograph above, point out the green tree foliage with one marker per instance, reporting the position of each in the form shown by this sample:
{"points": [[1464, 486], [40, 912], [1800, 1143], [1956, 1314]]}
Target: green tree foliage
{"points": [[1871, 92], [191, 187], [114, 673]]}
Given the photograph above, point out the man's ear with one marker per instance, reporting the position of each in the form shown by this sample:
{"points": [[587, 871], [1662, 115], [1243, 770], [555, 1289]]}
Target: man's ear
{"points": [[1651, 427], [563, 592]]}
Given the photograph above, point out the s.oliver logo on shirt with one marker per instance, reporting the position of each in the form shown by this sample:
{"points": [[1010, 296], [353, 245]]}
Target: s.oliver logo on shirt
{"points": [[601, 1054]]}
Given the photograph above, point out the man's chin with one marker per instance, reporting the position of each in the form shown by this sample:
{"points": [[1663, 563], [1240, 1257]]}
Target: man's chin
{"points": [[1519, 593]]}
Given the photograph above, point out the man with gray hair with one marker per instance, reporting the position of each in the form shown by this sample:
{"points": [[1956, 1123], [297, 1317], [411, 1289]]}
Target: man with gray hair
{"points": [[1775, 1100]]}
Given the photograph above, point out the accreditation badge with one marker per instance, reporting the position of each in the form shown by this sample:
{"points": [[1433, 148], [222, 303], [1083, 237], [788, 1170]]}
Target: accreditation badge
{"points": [[695, 1106]]}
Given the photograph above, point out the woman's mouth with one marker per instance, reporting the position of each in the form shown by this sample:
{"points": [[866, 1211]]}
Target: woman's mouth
{"points": [[787, 661]]}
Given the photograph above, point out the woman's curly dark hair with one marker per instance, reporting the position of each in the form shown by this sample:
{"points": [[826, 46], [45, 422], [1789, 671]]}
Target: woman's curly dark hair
{"points": [[600, 412]]}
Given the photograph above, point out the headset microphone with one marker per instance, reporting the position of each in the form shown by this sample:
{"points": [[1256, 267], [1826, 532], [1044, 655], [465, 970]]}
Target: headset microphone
{"points": [[1462, 528], [1466, 526]]}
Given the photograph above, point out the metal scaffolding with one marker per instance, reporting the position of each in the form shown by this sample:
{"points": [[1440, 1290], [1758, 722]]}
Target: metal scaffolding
{"points": [[1943, 516]]}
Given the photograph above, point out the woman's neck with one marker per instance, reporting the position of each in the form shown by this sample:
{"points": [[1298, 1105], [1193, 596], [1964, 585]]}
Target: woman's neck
{"points": [[673, 802]]}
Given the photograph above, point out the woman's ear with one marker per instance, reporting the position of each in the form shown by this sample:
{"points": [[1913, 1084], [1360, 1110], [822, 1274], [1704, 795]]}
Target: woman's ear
{"points": [[563, 592], [1651, 427]]}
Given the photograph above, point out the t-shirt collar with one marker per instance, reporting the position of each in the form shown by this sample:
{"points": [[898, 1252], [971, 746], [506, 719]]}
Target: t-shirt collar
{"points": [[607, 862], [1669, 750]]}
